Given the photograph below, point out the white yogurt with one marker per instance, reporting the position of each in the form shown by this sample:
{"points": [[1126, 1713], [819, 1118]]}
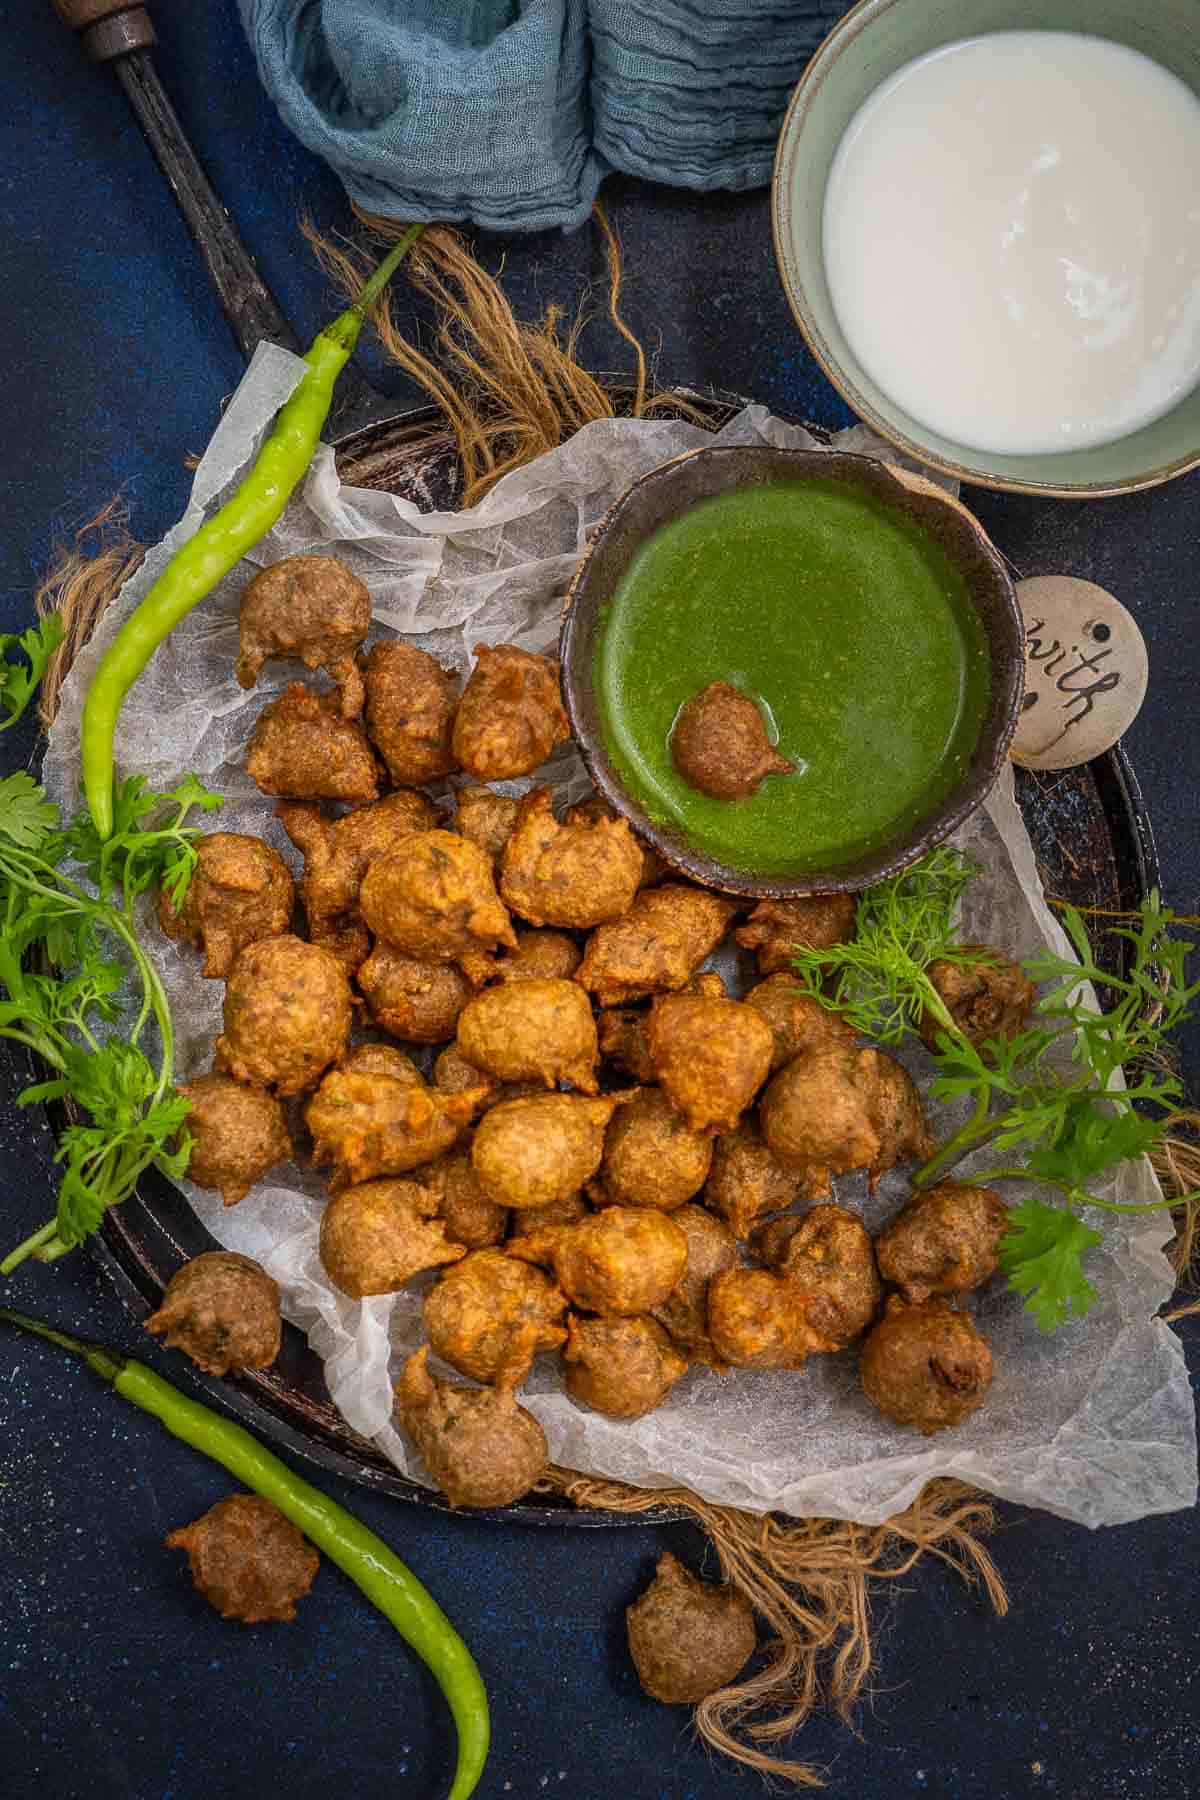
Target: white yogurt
{"points": [[1012, 240]]}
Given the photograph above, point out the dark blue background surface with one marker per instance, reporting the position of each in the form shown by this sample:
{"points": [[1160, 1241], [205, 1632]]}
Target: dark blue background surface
{"points": [[115, 1680]]}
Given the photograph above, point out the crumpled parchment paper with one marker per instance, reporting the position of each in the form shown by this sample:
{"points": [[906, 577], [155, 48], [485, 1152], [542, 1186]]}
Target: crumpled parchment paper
{"points": [[1095, 1423]]}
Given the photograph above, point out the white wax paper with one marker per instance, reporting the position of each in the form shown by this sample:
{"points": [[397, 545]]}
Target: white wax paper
{"points": [[1095, 1423]]}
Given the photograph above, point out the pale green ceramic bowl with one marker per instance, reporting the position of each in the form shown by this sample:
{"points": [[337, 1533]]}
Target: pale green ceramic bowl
{"points": [[874, 40]]}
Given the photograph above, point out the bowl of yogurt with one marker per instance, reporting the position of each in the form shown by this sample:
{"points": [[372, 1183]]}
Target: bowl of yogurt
{"points": [[987, 221]]}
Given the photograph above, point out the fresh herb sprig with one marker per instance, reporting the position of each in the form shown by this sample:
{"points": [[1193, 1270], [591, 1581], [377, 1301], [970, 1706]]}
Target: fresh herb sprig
{"points": [[19, 680], [66, 952]]}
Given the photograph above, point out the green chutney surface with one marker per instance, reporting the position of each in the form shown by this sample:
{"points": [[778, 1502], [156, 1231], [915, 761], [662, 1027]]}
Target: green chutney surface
{"points": [[850, 626]]}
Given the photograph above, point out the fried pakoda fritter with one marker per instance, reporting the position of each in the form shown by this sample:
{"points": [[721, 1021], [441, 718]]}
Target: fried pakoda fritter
{"points": [[375, 1115], [471, 1218], [248, 1561], [574, 875], [652, 1157], [453, 1074], [991, 999], [712, 1056], [622, 1367], [540, 956], [925, 1365], [222, 1310], [303, 748], [377, 1235], [623, 1030], [410, 712], [478, 1445], [720, 745], [338, 853], [486, 817], [491, 1314], [626, 1259], [657, 946], [567, 1211], [532, 1030], [776, 929], [945, 1240], [240, 891], [287, 1015], [828, 1253], [532, 1152], [688, 1637], [760, 1320], [798, 1021], [434, 898], [511, 714], [748, 1179], [237, 1134], [829, 1111], [683, 1315], [418, 1001], [591, 811], [310, 607]]}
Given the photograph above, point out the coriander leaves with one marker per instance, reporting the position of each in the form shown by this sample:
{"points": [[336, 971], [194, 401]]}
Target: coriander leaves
{"points": [[19, 680]]}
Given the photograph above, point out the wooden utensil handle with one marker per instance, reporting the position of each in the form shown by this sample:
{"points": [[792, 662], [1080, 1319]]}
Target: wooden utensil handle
{"points": [[107, 28]]}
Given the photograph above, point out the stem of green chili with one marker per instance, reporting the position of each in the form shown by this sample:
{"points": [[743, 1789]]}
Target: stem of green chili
{"points": [[365, 1558], [223, 540]]}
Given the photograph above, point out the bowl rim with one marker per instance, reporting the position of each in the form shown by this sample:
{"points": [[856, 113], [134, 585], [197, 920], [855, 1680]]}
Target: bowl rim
{"points": [[850, 26], [891, 858]]}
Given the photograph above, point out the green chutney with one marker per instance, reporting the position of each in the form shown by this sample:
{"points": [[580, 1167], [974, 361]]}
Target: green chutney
{"points": [[848, 624]]}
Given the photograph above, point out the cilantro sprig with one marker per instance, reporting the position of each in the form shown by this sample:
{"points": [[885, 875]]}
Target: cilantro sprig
{"points": [[19, 680]]}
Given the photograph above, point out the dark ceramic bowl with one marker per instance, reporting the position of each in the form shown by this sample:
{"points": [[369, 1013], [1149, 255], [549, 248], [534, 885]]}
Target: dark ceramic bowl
{"points": [[701, 475]]}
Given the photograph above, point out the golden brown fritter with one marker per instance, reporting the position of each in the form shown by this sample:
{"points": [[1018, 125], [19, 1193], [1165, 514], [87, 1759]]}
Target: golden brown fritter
{"points": [[945, 1240], [491, 1314], [568, 1211], [622, 1367], [688, 1637], [471, 1218], [531, 1152], [760, 1320], [303, 748], [453, 1074], [829, 1111], [248, 1561], [626, 1259], [240, 891], [652, 1157], [657, 946], [776, 929], [238, 1133], [655, 868], [418, 1001], [573, 875], [532, 1031], [684, 1313], [712, 1057], [222, 1310], [287, 1015], [747, 1179], [486, 817], [410, 712], [623, 1030], [990, 999], [540, 956], [511, 714], [828, 1253], [375, 1115], [720, 745], [926, 1365], [338, 853], [310, 607], [379, 1234], [798, 1021], [478, 1445], [434, 898]]}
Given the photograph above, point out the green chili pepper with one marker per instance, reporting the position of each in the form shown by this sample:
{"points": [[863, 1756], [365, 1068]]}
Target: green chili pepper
{"points": [[366, 1559], [223, 540]]}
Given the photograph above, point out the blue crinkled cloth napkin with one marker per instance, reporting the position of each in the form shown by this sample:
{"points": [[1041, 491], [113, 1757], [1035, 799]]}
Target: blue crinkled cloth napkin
{"points": [[509, 113]]}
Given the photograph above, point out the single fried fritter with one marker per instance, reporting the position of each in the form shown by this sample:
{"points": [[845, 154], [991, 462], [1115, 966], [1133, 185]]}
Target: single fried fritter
{"points": [[410, 712], [419, 1001], [248, 1561], [338, 853], [379, 1234], [287, 1015], [925, 1365], [623, 1030], [491, 1314], [237, 1133], [832, 1110], [531, 1152], [622, 1367], [434, 898], [222, 1310], [375, 1115], [478, 1445], [532, 1030], [540, 956], [684, 1313], [712, 1057], [990, 999], [776, 929], [574, 875], [657, 946], [828, 1253], [453, 1074], [797, 1020], [302, 747], [748, 1179], [652, 1157], [590, 812], [471, 1218], [486, 817], [688, 1637], [511, 713], [719, 744], [240, 891], [626, 1259], [945, 1240], [310, 607], [760, 1320]]}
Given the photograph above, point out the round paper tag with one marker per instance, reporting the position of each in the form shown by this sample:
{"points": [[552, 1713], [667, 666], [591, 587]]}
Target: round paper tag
{"points": [[1085, 672]]}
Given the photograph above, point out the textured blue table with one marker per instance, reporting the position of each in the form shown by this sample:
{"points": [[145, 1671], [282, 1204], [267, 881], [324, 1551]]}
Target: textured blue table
{"points": [[116, 1682]]}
